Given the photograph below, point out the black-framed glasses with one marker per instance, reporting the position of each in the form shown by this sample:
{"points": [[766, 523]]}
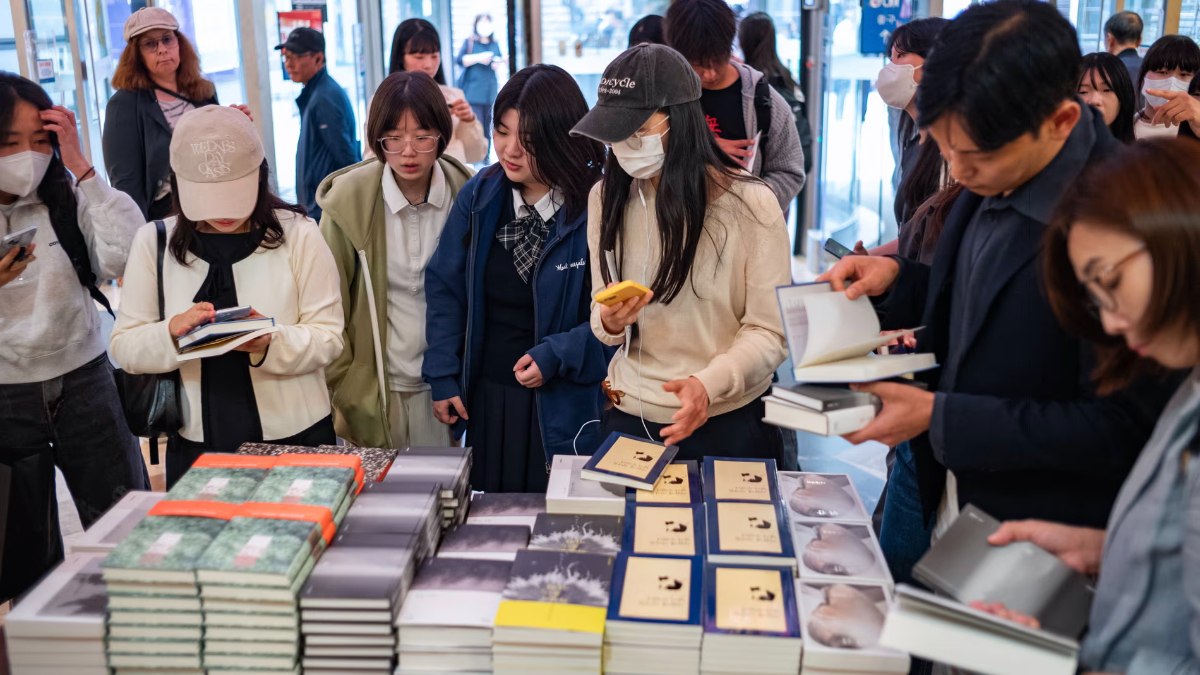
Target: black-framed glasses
{"points": [[394, 145], [152, 44], [1100, 286]]}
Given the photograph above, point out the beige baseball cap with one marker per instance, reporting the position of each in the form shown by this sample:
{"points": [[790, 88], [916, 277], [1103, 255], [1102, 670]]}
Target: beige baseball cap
{"points": [[149, 18], [216, 153]]}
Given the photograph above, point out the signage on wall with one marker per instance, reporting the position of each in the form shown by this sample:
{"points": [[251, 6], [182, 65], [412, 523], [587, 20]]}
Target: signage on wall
{"points": [[881, 18], [302, 18], [45, 71]]}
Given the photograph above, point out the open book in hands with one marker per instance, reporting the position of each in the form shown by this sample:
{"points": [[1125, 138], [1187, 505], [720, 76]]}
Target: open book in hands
{"points": [[831, 338]]}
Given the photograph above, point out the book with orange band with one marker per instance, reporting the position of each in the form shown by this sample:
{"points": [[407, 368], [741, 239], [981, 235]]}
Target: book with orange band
{"points": [[195, 509], [217, 460], [335, 461], [320, 515]]}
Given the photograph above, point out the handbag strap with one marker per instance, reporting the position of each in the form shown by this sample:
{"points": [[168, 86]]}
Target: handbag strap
{"points": [[162, 249]]}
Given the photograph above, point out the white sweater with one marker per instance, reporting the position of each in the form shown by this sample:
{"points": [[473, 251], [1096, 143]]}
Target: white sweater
{"points": [[296, 284], [49, 325]]}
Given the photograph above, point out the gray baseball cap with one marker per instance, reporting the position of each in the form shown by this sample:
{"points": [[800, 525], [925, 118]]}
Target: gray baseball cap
{"points": [[639, 82]]}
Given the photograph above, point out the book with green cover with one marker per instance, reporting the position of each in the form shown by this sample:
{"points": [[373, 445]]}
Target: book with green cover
{"points": [[162, 549], [232, 485], [311, 485], [260, 552]]}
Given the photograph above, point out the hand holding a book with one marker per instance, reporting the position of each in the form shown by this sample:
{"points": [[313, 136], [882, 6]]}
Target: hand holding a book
{"points": [[906, 414], [1080, 548], [693, 411], [448, 411], [860, 275], [998, 609], [258, 344], [198, 315]]}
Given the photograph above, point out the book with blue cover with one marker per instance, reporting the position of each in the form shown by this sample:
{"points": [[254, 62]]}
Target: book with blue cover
{"points": [[740, 479], [749, 533], [630, 461], [664, 530], [679, 484], [750, 600], [656, 589]]}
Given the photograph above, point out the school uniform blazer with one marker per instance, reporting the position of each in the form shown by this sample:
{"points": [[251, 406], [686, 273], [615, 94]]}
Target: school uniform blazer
{"points": [[1021, 426]]}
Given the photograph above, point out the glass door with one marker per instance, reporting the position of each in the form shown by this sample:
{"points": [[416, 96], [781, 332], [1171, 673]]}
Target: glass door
{"points": [[9, 59], [583, 37], [212, 26], [50, 52]]}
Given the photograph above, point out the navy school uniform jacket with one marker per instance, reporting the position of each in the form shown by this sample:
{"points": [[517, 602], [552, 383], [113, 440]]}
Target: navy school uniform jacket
{"points": [[1021, 426], [573, 362]]}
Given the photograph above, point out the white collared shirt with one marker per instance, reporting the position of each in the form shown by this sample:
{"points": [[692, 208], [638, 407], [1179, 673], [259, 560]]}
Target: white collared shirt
{"points": [[546, 207], [413, 231]]}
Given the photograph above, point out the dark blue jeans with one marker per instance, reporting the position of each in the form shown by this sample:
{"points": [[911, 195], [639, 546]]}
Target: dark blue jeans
{"points": [[74, 422], [904, 534]]}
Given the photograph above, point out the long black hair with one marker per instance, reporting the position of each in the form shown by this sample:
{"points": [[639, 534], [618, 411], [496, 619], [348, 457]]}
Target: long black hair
{"points": [[415, 36], [550, 104], [56, 190], [693, 171], [1107, 69], [928, 173], [756, 34], [262, 218]]}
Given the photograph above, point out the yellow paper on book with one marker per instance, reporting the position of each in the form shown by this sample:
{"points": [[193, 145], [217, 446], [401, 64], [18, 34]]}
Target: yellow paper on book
{"points": [[550, 616], [745, 481], [632, 458], [673, 487], [664, 530], [657, 588]]}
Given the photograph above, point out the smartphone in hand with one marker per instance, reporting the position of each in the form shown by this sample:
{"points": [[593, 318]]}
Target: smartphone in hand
{"points": [[835, 248], [20, 239], [620, 293]]}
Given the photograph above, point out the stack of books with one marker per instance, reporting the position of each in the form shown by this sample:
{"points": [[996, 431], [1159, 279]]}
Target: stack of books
{"points": [[577, 534], [222, 336], [746, 522], [552, 613], [841, 624], [628, 460], [653, 621], [155, 618], [750, 621], [484, 542], [382, 510], [569, 492], [375, 461], [678, 485], [447, 622], [506, 508], [823, 410], [352, 599], [665, 530], [324, 481], [116, 524], [58, 627], [449, 468]]}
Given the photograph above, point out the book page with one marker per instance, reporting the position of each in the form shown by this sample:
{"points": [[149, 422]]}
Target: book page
{"points": [[839, 328], [219, 347], [794, 311]]}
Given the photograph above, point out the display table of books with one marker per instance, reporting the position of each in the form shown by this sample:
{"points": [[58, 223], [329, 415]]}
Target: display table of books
{"points": [[346, 560]]}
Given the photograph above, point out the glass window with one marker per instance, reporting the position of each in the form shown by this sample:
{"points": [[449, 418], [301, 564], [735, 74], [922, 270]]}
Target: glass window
{"points": [[8, 44], [583, 37], [1152, 12], [1189, 19], [212, 26], [1089, 17], [54, 64]]}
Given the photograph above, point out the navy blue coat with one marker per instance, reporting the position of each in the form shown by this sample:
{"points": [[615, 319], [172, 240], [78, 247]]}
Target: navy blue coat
{"points": [[573, 362], [328, 140], [1024, 431]]}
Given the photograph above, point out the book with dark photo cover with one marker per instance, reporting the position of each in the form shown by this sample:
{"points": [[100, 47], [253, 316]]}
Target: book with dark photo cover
{"points": [[506, 508], [556, 592], [679, 484], [484, 542], [353, 578], [448, 467], [578, 534], [69, 602], [841, 625], [823, 398], [1021, 576], [455, 592], [630, 461]]}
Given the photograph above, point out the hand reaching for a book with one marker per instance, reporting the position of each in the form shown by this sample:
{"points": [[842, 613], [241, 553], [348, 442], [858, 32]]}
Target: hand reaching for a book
{"points": [[860, 275], [693, 411], [1080, 548], [198, 315]]}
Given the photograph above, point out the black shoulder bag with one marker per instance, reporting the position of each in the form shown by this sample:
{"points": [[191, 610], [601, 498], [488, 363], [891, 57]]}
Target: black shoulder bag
{"points": [[151, 402]]}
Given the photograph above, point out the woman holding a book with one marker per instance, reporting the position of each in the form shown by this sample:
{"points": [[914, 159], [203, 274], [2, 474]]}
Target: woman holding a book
{"points": [[511, 357], [1121, 268], [383, 219], [233, 244], [678, 216]]}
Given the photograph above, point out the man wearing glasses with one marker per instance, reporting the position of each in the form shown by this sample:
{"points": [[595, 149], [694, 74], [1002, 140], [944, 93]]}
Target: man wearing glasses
{"points": [[327, 137]]}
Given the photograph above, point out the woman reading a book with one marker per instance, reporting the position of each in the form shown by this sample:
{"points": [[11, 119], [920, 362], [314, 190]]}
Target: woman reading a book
{"points": [[678, 216], [511, 356], [233, 244], [382, 219], [1121, 268]]}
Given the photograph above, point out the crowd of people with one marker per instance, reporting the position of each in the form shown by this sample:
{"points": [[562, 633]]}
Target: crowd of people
{"points": [[1049, 247]]}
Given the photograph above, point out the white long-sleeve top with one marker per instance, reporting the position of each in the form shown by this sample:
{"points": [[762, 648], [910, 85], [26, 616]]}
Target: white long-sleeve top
{"points": [[48, 322], [296, 284]]}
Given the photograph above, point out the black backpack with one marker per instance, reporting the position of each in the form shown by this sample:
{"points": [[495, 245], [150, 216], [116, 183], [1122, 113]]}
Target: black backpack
{"points": [[762, 110]]}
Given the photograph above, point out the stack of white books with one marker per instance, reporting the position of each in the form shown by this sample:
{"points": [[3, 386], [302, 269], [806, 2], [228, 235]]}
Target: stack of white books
{"points": [[750, 621], [820, 409], [116, 524], [569, 493], [653, 621], [58, 628], [447, 621], [841, 625]]}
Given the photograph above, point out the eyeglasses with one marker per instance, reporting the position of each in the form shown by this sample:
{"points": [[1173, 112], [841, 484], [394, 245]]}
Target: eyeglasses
{"points": [[635, 141], [152, 44], [394, 145], [289, 57], [1100, 285]]}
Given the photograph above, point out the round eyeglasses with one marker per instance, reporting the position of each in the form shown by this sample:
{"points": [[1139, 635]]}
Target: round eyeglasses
{"points": [[1101, 287], [394, 145]]}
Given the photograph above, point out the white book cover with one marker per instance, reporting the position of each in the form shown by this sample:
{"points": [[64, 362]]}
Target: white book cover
{"points": [[568, 491], [455, 592], [841, 624], [845, 552], [112, 528], [69, 602], [821, 497]]}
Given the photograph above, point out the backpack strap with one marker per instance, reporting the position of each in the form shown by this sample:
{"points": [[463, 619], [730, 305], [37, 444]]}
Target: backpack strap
{"points": [[161, 229], [762, 106], [73, 243]]}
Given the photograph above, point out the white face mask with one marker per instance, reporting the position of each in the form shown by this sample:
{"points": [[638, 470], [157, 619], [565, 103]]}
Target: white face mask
{"points": [[645, 161], [1169, 84], [484, 29], [22, 173], [896, 84]]}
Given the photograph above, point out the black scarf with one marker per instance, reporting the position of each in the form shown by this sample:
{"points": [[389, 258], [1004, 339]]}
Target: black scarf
{"points": [[228, 407]]}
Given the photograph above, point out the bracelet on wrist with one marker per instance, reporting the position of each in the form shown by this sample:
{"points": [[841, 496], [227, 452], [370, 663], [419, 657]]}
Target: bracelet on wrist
{"points": [[91, 170]]}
